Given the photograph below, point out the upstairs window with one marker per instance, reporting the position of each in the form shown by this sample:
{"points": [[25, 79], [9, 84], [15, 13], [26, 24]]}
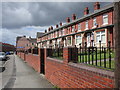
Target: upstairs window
{"points": [[73, 28], [94, 22], [86, 25], [105, 19], [79, 27]]}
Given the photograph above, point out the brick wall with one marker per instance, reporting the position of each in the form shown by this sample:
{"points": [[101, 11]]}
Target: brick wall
{"points": [[66, 74], [76, 75], [32, 59], [22, 56]]}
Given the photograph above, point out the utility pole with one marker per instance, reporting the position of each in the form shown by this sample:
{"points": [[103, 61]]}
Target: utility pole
{"points": [[117, 43]]}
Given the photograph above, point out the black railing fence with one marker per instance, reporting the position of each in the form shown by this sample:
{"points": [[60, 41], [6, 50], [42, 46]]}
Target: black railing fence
{"points": [[35, 50], [97, 56], [55, 52]]}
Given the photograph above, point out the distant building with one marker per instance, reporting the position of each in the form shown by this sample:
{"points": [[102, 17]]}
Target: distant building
{"points": [[39, 34], [5, 47], [23, 43], [97, 27]]}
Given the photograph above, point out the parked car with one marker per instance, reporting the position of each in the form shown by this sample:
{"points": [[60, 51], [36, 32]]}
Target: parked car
{"points": [[3, 56], [7, 53]]}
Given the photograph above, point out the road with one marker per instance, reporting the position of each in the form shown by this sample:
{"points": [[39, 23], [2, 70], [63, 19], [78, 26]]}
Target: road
{"points": [[18, 74]]}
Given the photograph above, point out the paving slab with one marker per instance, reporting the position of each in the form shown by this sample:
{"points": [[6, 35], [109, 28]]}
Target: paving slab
{"points": [[27, 77]]}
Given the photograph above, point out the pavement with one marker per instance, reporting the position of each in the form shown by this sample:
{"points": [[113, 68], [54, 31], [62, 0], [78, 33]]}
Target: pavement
{"points": [[21, 75]]}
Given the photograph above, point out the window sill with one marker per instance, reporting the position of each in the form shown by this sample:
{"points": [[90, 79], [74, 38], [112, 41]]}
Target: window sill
{"points": [[86, 29], [94, 27], [104, 24]]}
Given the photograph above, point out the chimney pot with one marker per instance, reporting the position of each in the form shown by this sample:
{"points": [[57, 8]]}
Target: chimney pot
{"points": [[60, 23], [51, 28], [57, 26], [96, 5], [73, 17], [45, 31], [68, 19], [86, 11]]}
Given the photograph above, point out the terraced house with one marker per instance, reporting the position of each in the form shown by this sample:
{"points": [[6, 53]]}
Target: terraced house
{"points": [[91, 28]]}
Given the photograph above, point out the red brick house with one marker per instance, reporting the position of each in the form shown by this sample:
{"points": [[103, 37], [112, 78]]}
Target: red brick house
{"points": [[23, 43], [96, 26], [5, 47]]}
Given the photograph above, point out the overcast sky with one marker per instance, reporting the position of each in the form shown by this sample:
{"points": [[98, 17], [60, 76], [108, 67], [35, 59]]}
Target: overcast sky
{"points": [[27, 18]]}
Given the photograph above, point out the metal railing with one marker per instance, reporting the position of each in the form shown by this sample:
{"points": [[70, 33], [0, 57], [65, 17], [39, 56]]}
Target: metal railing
{"points": [[97, 56], [55, 52]]}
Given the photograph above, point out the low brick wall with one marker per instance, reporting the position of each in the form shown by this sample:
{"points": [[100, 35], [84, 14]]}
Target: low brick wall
{"points": [[22, 56], [34, 61], [74, 75]]}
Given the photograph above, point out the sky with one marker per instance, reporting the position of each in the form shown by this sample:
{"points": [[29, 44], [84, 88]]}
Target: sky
{"points": [[27, 18]]}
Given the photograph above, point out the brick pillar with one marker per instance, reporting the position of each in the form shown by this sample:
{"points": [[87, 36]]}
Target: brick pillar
{"points": [[45, 57], [24, 55], [70, 54], [32, 51]]}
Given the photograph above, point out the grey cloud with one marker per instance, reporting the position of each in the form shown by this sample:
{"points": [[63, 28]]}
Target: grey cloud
{"points": [[20, 14]]}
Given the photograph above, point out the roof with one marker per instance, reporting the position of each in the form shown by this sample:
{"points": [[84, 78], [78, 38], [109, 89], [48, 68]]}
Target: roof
{"points": [[39, 34], [97, 12], [18, 38], [33, 40]]}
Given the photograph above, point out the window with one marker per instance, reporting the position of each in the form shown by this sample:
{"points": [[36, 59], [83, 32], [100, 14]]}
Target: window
{"points": [[100, 36], [94, 22], [73, 28], [56, 33], [61, 31], [69, 40], [105, 19], [26, 44], [79, 27], [86, 25], [78, 40]]}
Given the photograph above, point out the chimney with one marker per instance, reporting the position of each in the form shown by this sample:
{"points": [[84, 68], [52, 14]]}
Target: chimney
{"points": [[45, 31], [24, 36], [57, 26], [68, 19], [86, 11], [73, 17], [29, 37], [60, 23], [51, 28], [96, 6]]}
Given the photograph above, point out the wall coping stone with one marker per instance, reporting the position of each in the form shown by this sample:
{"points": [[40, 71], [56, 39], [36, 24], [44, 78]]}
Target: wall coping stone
{"points": [[105, 73], [55, 60]]}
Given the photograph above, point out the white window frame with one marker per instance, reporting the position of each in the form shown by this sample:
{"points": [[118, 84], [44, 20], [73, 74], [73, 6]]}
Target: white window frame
{"points": [[94, 22], [100, 36], [73, 28], [67, 41], [76, 37], [105, 16], [79, 27], [86, 25]]}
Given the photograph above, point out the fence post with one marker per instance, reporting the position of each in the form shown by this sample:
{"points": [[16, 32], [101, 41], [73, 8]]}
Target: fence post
{"points": [[117, 43], [70, 54]]}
